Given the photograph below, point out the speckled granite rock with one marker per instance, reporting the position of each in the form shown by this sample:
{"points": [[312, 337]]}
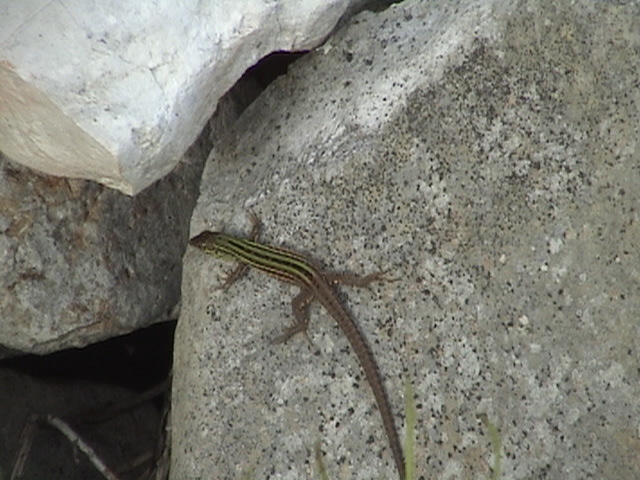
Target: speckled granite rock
{"points": [[486, 153]]}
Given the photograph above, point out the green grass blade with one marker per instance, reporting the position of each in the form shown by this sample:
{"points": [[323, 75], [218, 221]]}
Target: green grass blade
{"points": [[410, 439]]}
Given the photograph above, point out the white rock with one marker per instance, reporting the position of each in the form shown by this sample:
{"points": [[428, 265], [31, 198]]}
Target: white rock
{"points": [[115, 91]]}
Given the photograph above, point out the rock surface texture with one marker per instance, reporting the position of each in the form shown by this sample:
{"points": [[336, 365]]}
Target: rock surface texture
{"points": [[82, 263], [115, 91], [484, 153]]}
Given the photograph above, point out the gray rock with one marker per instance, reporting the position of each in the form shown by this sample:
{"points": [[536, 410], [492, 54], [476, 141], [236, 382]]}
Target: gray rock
{"points": [[484, 153], [81, 263]]}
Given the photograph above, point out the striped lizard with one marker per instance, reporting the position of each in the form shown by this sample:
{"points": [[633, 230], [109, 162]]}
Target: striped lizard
{"points": [[314, 283]]}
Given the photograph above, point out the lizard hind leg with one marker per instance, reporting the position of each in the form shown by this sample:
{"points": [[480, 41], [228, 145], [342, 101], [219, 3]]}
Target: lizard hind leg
{"points": [[300, 308]]}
